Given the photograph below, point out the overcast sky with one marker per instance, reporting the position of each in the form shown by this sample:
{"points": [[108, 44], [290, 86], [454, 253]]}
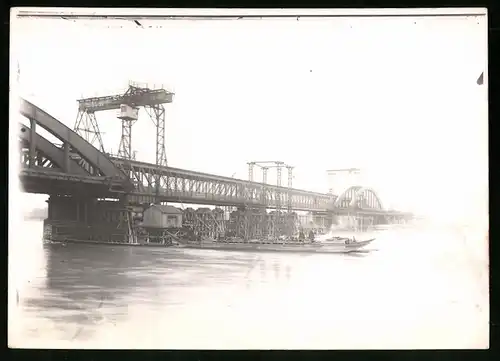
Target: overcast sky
{"points": [[396, 97]]}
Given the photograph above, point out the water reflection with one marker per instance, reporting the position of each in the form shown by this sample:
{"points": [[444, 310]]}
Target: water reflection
{"points": [[144, 297], [86, 285]]}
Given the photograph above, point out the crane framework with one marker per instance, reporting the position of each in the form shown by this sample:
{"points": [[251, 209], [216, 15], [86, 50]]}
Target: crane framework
{"points": [[279, 221], [136, 96]]}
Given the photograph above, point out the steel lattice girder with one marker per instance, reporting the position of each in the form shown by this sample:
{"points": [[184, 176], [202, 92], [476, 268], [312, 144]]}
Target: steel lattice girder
{"points": [[194, 187], [56, 128], [41, 160], [50, 180]]}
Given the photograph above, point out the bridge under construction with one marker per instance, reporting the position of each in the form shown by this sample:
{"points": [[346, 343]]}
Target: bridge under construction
{"points": [[98, 196]]}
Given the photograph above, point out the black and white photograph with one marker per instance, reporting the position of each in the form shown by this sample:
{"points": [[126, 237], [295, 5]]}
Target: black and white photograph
{"points": [[248, 179]]}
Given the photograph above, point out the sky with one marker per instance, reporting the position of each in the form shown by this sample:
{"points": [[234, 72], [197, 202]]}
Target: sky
{"points": [[396, 97]]}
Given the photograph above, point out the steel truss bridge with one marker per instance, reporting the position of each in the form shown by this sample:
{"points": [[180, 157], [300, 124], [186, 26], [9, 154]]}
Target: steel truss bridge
{"points": [[78, 168]]}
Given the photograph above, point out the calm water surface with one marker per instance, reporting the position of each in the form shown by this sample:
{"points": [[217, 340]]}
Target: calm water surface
{"points": [[411, 289]]}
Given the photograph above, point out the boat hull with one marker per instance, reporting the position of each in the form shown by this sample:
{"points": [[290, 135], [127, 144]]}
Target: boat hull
{"points": [[287, 248], [245, 247]]}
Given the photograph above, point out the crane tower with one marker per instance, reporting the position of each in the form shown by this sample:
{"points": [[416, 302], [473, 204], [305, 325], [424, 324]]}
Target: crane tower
{"points": [[128, 104]]}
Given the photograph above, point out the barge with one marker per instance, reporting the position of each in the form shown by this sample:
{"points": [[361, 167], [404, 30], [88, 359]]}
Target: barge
{"points": [[287, 246], [348, 245]]}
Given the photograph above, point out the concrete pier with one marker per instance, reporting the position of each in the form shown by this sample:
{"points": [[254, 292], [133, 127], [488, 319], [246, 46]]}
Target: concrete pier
{"points": [[84, 219]]}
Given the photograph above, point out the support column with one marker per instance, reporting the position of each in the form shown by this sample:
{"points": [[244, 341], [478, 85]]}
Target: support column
{"points": [[290, 180], [85, 211], [77, 203], [50, 209], [87, 127], [250, 172], [264, 187], [32, 143], [157, 199], [127, 221], [161, 155], [279, 198], [264, 174], [125, 147], [66, 166], [157, 115]]}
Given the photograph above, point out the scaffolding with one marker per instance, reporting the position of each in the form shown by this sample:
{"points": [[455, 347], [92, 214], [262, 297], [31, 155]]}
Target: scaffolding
{"points": [[205, 223], [277, 222]]}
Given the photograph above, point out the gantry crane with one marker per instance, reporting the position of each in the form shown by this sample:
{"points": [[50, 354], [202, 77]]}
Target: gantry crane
{"points": [[279, 165], [136, 96]]}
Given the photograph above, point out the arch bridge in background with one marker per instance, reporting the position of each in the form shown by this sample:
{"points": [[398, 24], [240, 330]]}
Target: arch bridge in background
{"points": [[359, 197]]}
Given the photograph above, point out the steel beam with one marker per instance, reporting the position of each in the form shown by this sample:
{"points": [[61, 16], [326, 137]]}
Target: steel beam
{"points": [[250, 171], [157, 115], [96, 158], [87, 126], [125, 147], [139, 96], [67, 162]]}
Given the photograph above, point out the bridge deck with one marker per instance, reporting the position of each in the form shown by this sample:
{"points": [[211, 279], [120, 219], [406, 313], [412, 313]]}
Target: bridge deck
{"points": [[201, 188]]}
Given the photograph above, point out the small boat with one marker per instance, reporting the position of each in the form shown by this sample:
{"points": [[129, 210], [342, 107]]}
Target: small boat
{"points": [[337, 239]]}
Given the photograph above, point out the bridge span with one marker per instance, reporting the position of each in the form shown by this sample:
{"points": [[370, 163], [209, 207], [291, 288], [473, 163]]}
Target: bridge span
{"points": [[77, 175]]}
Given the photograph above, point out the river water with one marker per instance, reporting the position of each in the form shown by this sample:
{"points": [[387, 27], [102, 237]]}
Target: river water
{"points": [[414, 288]]}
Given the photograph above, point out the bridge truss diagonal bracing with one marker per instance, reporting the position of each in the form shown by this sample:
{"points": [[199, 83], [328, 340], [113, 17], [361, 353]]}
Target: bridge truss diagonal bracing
{"points": [[46, 155], [200, 188]]}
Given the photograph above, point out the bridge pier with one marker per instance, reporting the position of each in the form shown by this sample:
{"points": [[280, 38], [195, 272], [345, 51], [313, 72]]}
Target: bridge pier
{"points": [[87, 219], [357, 221], [327, 221], [257, 223]]}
